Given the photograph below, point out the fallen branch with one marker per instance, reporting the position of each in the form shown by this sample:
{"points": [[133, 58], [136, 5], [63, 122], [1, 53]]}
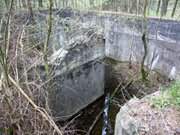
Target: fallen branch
{"points": [[42, 111], [94, 123], [122, 88]]}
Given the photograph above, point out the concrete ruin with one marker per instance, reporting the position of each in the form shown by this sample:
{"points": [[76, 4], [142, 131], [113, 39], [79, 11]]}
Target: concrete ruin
{"points": [[80, 40]]}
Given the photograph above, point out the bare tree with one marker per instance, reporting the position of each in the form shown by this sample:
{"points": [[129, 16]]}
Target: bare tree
{"points": [[7, 3], [144, 39], [174, 8], [158, 7], [40, 3], [30, 10], [24, 3], [48, 37], [164, 7]]}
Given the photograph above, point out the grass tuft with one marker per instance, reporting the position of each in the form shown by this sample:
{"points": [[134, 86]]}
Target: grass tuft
{"points": [[168, 97]]}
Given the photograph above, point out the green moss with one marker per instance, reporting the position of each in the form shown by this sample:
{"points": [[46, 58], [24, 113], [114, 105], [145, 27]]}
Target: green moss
{"points": [[168, 97]]}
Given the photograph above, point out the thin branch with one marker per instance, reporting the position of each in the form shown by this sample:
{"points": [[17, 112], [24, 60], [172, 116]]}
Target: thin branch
{"points": [[4, 52], [37, 108], [48, 37]]}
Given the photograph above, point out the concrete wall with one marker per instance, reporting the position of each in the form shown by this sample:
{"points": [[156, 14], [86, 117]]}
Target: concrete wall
{"points": [[124, 40], [79, 78], [81, 44], [74, 90], [123, 36], [86, 37]]}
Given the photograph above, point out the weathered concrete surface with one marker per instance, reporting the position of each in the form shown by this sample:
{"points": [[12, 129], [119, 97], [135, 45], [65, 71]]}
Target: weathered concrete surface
{"points": [[124, 42], [79, 78], [123, 39], [74, 90], [81, 44]]}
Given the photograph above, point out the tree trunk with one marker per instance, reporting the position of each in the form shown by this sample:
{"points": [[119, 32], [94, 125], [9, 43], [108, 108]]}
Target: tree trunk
{"points": [[91, 3], [30, 10], [144, 74], [6, 3], [56, 4], [40, 3], [149, 6], [24, 3], [164, 7], [174, 8], [65, 3], [137, 7], [19, 1], [132, 6], [48, 37], [158, 7], [34, 3]]}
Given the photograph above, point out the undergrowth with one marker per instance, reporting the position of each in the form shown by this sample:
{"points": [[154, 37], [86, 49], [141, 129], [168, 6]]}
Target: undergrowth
{"points": [[169, 96], [24, 108]]}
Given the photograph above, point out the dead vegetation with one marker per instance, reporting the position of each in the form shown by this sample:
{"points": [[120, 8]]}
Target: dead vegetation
{"points": [[24, 98], [152, 120]]}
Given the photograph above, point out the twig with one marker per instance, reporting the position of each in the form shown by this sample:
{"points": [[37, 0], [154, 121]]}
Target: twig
{"points": [[94, 123], [37, 108], [119, 85]]}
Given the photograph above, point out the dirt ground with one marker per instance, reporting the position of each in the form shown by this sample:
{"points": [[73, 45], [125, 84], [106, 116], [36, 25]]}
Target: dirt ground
{"points": [[153, 120]]}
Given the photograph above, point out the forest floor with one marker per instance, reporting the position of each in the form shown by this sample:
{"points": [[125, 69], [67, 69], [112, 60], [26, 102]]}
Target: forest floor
{"points": [[149, 119]]}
